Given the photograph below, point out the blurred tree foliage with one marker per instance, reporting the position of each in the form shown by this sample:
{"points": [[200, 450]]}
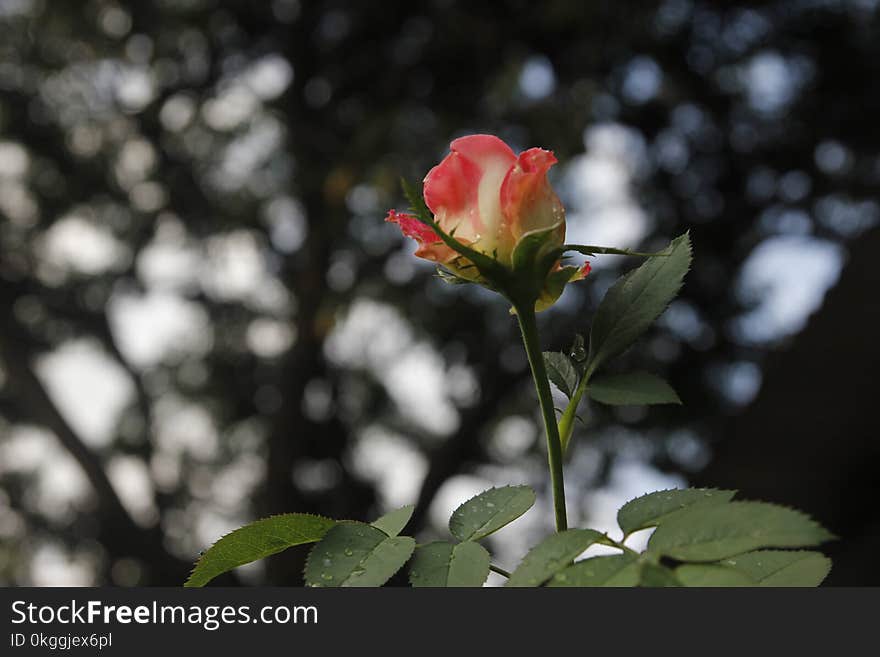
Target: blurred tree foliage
{"points": [[227, 165]]}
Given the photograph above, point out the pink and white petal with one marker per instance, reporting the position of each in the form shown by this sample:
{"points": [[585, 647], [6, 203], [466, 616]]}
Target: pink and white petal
{"points": [[463, 191], [481, 148], [410, 226], [528, 202], [437, 252], [451, 194], [431, 247]]}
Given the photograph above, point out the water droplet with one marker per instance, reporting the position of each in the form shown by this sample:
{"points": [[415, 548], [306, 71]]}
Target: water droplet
{"points": [[578, 352], [490, 505], [326, 576], [348, 552], [327, 562]]}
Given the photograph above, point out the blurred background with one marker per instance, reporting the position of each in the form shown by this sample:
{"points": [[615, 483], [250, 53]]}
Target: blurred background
{"points": [[205, 319]]}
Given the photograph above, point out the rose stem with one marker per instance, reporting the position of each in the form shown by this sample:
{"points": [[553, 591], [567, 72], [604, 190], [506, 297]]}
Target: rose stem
{"points": [[528, 325]]}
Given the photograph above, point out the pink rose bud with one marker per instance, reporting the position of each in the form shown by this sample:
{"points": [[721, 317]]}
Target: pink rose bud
{"points": [[490, 199]]}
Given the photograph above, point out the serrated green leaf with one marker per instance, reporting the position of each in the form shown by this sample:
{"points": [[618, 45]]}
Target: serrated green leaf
{"points": [[384, 561], [356, 554], [652, 509], [703, 575], [783, 567], [490, 511], [550, 556], [711, 533], [636, 300], [652, 575], [634, 388], [561, 372], [449, 564], [614, 570], [392, 523], [257, 540]]}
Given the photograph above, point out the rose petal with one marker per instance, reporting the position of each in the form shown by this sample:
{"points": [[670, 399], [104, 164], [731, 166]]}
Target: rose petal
{"points": [[463, 192], [430, 245], [527, 199]]}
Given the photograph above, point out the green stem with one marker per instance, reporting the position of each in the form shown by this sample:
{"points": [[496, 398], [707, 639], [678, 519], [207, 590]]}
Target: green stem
{"points": [[620, 545], [529, 327], [566, 422], [499, 570]]}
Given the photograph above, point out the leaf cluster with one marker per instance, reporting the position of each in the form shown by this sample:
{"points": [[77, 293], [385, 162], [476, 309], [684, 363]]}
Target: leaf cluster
{"points": [[628, 309], [702, 537]]}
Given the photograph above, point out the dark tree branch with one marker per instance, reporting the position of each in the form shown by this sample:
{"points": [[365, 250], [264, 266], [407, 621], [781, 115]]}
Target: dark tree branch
{"points": [[119, 533]]}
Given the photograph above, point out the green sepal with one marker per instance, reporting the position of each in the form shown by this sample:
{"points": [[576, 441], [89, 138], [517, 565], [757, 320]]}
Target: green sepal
{"points": [[534, 256], [590, 250], [554, 285], [449, 277], [495, 274]]}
